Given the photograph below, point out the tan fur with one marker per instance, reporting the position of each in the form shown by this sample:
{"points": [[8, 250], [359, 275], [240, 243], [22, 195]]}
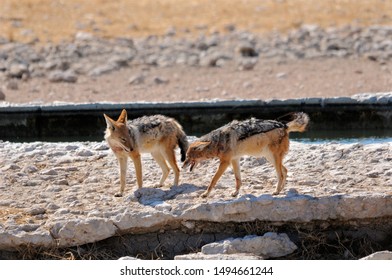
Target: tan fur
{"points": [[158, 135], [230, 142]]}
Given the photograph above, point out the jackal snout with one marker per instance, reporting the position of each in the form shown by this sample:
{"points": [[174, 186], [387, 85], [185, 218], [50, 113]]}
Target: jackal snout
{"points": [[117, 133], [195, 153]]}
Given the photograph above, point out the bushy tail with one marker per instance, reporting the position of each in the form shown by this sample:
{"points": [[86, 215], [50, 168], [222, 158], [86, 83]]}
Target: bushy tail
{"points": [[183, 144], [298, 123]]}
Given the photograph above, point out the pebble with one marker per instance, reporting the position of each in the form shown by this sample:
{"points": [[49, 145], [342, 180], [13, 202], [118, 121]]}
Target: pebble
{"points": [[2, 95], [137, 79], [281, 75], [160, 80], [37, 211], [12, 85], [62, 76], [85, 153]]}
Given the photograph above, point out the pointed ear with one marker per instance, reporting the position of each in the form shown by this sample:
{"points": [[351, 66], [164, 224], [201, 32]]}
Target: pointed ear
{"points": [[123, 117], [109, 122], [199, 146]]}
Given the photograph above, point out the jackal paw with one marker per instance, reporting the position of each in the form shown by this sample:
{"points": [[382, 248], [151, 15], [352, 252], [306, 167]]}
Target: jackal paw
{"points": [[234, 194], [204, 194], [275, 193], [118, 195]]}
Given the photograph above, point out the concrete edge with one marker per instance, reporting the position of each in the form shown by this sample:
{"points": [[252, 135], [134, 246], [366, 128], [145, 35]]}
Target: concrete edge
{"points": [[358, 99]]}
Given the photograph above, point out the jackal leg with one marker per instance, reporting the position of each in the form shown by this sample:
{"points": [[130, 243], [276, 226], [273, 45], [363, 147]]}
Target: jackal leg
{"points": [[281, 171], [137, 162], [122, 160], [171, 159], [162, 163], [237, 173], [222, 167]]}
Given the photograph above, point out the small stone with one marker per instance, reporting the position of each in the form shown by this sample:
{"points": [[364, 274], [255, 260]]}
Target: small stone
{"points": [[54, 189], [49, 172], [17, 70], [136, 80], [171, 32], [101, 147], [61, 211], [247, 50], [229, 27], [84, 36], [246, 64], [103, 69], [160, 81], [61, 182], [71, 147], [52, 206], [30, 169], [11, 167], [62, 76], [12, 85], [372, 174], [28, 227], [2, 95], [37, 211], [85, 153], [281, 75], [247, 85]]}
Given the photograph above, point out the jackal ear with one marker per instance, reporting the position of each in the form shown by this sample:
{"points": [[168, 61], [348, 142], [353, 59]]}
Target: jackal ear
{"points": [[201, 145], [123, 117], [109, 122]]}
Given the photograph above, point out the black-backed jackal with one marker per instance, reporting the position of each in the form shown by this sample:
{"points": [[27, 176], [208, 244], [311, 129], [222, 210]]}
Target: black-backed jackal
{"points": [[253, 137], [158, 135]]}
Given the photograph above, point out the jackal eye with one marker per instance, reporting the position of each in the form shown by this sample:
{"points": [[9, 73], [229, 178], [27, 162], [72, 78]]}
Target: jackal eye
{"points": [[123, 139]]}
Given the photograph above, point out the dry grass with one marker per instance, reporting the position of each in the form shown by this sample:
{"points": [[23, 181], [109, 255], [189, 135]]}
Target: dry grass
{"points": [[55, 20]]}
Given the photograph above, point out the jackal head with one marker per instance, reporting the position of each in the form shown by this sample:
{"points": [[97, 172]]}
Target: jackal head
{"points": [[117, 133], [197, 152]]}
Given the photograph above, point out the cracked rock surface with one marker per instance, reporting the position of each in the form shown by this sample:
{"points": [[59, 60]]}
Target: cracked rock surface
{"points": [[63, 193]]}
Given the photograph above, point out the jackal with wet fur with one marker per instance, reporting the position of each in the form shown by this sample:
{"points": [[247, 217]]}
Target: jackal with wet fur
{"points": [[253, 137], [158, 135]]}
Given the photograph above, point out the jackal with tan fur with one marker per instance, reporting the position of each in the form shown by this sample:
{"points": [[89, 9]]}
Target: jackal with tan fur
{"points": [[158, 135], [253, 137]]}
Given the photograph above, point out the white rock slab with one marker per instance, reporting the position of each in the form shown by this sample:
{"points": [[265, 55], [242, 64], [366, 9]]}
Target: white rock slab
{"points": [[270, 245]]}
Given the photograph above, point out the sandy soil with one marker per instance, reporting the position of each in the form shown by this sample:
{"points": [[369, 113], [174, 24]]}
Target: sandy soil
{"points": [[269, 79]]}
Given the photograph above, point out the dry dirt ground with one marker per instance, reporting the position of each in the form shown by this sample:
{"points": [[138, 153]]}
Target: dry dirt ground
{"points": [[53, 21], [302, 78]]}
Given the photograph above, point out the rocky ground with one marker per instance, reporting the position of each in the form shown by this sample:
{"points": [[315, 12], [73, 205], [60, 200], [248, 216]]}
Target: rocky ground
{"points": [[308, 62], [65, 191]]}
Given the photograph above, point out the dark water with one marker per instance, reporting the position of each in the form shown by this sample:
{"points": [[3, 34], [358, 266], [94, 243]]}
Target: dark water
{"points": [[344, 136]]}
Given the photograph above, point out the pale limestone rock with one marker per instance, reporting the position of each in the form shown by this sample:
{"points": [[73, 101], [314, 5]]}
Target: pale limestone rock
{"points": [[201, 256], [270, 245], [78, 232], [382, 255], [82, 208], [11, 240]]}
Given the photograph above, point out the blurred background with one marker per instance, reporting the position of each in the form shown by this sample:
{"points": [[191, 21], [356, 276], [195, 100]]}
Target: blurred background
{"points": [[172, 50], [56, 20]]}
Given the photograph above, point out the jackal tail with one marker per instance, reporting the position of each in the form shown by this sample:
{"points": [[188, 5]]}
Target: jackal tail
{"points": [[183, 144], [299, 122]]}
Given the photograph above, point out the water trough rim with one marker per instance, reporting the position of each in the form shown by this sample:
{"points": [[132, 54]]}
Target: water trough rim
{"points": [[377, 99]]}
